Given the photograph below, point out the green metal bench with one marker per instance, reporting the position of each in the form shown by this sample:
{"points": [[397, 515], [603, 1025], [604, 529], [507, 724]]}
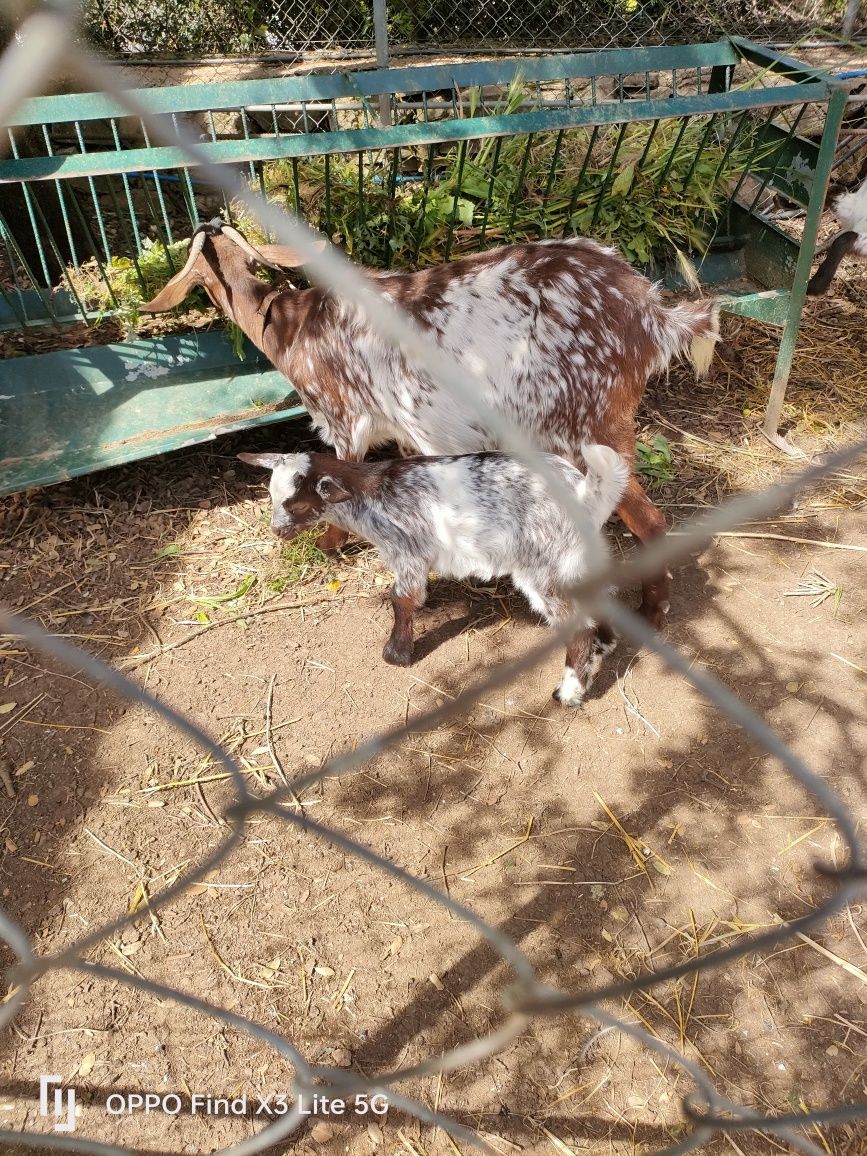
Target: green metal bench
{"points": [[89, 187]]}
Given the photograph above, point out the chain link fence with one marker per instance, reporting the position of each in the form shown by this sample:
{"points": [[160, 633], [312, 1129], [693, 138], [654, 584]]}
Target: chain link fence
{"points": [[218, 27], [27, 67]]}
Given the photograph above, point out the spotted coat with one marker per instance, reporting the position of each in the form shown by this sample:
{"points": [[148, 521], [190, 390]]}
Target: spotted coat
{"points": [[561, 336], [481, 515]]}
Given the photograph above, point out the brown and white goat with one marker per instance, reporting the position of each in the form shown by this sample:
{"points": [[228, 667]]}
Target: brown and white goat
{"points": [[473, 515], [562, 335]]}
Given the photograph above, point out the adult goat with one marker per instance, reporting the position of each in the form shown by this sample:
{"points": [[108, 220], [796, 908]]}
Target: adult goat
{"points": [[563, 336]]}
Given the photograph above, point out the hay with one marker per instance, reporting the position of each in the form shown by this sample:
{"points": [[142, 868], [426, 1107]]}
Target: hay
{"points": [[713, 426]]}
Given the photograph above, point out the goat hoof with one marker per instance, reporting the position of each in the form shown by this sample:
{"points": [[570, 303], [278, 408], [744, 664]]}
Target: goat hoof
{"points": [[395, 655], [654, 613], [570, 692], [574, 700]]}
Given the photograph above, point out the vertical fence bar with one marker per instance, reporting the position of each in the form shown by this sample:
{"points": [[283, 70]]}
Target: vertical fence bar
{"points": [[833, 119], [388, 251], [329, 225], [573, 199], [495, 165], [772, 172], [91, 185], [850, 16], [380, 33], [61, 200], [603, 188], [462, 156], [420, 228], [516, 195], [28, 201], [14, 255]]}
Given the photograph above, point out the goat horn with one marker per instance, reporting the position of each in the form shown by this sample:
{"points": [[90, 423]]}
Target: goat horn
{"points": [[245, 245], [198, 240]]}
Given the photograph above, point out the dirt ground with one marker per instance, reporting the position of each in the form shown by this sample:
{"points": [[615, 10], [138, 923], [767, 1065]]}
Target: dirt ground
{"points": [[510, 806]]}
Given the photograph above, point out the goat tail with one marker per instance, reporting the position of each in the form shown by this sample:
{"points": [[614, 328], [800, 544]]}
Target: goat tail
{"points": [[607, 474], [691, 330], [850, 210]]}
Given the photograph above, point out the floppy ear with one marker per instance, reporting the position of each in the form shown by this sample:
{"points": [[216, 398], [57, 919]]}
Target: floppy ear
{"points": [[284, 256], [177, 290], [332, 491], [266, 461]]}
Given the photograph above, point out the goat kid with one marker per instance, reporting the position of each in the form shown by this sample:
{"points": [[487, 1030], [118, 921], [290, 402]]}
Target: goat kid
{"points": [[850, 209], [483, 515], [562, 336]]}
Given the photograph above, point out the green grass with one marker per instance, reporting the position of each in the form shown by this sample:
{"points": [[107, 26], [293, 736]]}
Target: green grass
{"points": [[297, 559]]}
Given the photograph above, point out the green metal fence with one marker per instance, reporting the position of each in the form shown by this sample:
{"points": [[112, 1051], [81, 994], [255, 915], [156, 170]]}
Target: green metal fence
{"points": [[697, 139]]}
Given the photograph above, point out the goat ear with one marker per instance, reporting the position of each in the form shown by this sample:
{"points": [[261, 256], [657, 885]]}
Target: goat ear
{"points": [[177, 290], [331, 490], [284, 256], [266, 461]]}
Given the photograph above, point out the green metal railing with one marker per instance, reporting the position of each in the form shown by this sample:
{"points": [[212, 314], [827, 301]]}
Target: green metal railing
{"points": [[477, 154], [84, 201]]}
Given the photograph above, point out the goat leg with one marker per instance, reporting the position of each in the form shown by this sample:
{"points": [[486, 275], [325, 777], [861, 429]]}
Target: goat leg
{"points": [[646, 522], [821, 280], [398, 649], [584, 656], [332, 539]]}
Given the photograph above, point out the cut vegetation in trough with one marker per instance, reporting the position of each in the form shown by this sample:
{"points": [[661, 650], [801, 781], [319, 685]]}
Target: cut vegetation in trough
{"points": [[657, 192]]}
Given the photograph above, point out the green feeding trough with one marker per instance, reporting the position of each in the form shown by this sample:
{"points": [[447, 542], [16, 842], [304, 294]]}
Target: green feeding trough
{"points": [[659, 151]]}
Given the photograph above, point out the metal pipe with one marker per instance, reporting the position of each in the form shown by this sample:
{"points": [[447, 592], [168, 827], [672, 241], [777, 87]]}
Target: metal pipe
{"points": [[847, 28], [380, 34]]}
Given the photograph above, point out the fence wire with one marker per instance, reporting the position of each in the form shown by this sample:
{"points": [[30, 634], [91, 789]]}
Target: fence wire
{"points": [[27, 66], [229, 26]]}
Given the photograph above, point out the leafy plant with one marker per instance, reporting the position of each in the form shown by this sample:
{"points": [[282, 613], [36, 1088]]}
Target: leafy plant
{"points": [[121, 285], [655, 461], [655, 190], [237, 338]]}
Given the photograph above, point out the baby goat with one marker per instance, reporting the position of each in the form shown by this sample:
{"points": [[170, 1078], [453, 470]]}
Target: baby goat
{"points": [[483, 515], [561, 335]]}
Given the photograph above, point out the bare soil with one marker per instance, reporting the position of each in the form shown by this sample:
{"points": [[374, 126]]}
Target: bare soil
{"points": [[508, 807]]}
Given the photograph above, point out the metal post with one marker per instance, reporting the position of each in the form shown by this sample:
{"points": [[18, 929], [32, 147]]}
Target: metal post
{"points": [[833, 117], [380, 32], [849, 18]]}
